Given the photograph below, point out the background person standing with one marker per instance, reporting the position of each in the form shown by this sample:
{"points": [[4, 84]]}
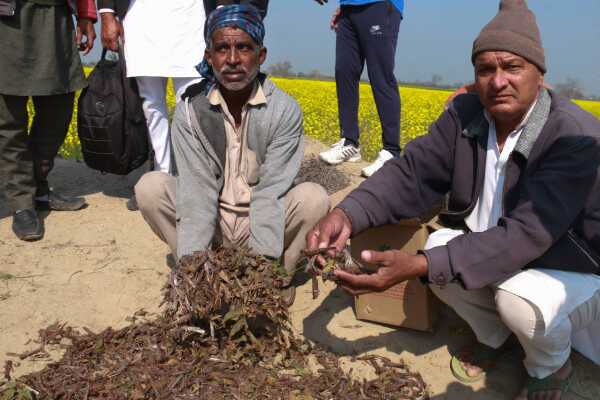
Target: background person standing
{"points": [[366, 32], [163, 39], [38, 59]]}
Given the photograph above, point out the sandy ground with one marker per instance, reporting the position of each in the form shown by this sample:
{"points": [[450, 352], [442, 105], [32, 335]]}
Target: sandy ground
{"points": [[96, 267]]}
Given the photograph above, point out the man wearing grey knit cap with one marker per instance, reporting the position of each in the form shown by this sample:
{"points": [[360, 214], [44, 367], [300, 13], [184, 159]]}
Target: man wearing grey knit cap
{"points": [[517, 247]]}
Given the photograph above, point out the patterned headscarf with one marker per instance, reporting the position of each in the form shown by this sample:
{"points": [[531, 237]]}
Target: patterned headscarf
{"points": [[244, 17]]}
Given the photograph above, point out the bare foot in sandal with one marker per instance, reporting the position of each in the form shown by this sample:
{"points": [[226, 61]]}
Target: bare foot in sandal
{"points": [[472, 362], [550, 388]]}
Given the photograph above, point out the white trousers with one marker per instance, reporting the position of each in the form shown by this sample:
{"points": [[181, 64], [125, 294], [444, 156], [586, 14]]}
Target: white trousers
{"points": [[153, 89], [494, 312]]}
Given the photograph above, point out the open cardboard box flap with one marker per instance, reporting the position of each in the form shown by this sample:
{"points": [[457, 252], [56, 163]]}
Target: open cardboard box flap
{"points": [[409, 304]]}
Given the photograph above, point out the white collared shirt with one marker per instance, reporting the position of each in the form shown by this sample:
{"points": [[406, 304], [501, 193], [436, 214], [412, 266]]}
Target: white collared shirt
{"points": [[488, 209]]}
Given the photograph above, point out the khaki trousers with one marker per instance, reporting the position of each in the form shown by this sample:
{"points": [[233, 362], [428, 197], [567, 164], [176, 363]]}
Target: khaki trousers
{"points": [[305, 205], [494, 313]]}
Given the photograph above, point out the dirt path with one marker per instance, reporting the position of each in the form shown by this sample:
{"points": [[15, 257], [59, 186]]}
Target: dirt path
{"points": [[98, 266]]}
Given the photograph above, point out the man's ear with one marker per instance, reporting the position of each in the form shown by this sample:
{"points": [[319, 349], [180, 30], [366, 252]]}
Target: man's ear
{"points": [[208, 57], [262, 55]]}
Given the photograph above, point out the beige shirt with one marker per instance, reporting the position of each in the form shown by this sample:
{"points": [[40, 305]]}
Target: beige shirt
{"points": [[240, 170]]}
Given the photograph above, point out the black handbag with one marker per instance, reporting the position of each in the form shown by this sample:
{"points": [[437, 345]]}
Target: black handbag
{"points": [[110, 120]]}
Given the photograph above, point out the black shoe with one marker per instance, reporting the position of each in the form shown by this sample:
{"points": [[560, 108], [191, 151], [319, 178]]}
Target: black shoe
{"points": [[132, 204], [57, 202], [27, 225]]}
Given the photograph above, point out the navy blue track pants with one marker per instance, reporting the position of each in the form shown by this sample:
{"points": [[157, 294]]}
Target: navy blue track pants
{"points": [[368, 33]]}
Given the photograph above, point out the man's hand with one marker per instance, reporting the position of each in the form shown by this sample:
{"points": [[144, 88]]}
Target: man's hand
{"points": [[395, 266], [468, 88], [334, 18], [85, 29], [112, 30], [333, 230]]}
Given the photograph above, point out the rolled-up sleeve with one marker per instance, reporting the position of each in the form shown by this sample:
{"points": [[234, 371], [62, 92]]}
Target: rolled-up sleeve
{"points": [[86, 9]]}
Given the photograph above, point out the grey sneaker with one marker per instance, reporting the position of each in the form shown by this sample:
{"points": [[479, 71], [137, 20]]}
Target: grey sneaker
{"points": [[383, 157], [340, 152]]}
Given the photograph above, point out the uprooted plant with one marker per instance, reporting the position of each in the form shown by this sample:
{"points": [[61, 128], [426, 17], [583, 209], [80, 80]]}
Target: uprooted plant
{"points": [[331, 260], [224, 334]]}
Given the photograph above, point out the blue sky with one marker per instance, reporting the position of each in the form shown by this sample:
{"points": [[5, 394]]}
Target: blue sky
{"points": [[436, 38]]}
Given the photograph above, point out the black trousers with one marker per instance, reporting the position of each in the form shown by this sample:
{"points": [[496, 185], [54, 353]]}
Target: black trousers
{"points": [[27, 159], [368, 33]]}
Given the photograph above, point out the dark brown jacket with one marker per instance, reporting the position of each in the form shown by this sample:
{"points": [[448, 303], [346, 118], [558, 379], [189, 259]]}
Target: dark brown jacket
{"points": [[551, 202]]}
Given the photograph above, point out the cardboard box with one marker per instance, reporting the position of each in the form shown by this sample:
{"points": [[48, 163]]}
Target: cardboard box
{"points": [[409, 304]]}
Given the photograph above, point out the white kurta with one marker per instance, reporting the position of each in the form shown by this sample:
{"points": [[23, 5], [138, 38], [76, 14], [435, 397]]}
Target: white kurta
{"points": [[164, 38]]}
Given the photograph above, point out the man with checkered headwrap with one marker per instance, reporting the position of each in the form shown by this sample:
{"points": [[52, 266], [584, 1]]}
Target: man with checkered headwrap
{"points": [[238, 144]]}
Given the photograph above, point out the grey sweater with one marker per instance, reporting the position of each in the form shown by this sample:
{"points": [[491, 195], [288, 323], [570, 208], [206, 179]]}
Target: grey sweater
{"points": [[275, 134]]}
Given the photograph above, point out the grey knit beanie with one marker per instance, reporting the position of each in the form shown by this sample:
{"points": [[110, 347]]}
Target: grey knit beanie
{"points": [[515, 30]]}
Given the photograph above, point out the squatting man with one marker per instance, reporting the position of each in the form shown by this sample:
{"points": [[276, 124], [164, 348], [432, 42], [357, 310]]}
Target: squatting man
{"points": [[237, 143], [517, 249]]}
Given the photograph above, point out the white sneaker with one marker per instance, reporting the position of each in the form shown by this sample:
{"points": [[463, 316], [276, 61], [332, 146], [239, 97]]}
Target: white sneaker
{"points": [[340, 153], [382, 157]]}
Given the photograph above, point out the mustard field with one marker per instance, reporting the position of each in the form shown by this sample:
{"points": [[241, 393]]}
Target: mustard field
{"points": [[420, 107]]}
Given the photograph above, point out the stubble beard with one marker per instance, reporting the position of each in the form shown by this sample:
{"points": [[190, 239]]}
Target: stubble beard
{"points": [[240, 85]]}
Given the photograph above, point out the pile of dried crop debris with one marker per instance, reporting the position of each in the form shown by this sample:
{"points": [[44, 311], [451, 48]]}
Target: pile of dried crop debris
{"points": [[224, 334]]}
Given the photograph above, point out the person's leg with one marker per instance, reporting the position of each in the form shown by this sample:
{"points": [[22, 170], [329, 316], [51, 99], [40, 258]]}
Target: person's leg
{"points": [[181, 84], [305, 205], [48, 131], [378, 25], [17, 183], [16, 161], [478, 308], [545, 352], [155, 193], [349, 64], [153, 92]]}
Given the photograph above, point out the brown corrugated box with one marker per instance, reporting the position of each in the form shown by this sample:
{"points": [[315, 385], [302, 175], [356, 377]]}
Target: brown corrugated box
{"points": [[409, 304]]}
